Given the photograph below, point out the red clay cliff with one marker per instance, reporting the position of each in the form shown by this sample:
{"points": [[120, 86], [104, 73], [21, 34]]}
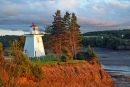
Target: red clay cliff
{"points": [[82, 74]]}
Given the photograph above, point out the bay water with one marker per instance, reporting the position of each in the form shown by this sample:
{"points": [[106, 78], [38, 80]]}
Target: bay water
{"points": [[117, 64]]}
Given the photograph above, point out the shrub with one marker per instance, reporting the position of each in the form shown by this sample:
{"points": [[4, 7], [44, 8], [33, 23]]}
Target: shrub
{"points": [[81, 56], [88, 55], [51, 57], [37, 72], [21, 63], [64, 58], [2, 83], [1, 54]]}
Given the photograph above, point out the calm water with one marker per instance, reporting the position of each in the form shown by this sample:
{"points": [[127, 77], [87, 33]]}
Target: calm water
{"points": [[117, 63], [117, 70]]}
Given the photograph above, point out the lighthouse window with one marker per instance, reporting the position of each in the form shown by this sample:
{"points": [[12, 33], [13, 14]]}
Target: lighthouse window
{"points": [[26, 51], [34, 28], [37, 39]]}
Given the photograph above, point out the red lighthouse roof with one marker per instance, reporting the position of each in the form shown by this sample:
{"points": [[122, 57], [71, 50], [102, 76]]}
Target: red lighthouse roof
{"points": [[33, 25]]}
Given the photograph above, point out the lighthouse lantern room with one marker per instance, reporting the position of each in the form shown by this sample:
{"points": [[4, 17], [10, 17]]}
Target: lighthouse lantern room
{"points": [[33, 44]]}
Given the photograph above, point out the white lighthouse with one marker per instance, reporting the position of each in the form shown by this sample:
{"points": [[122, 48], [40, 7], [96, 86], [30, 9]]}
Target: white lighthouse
{"points": [[33, 44]]}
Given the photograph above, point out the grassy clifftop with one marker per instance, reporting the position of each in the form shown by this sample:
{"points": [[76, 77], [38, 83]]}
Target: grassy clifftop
{"points": [[78, 74]]}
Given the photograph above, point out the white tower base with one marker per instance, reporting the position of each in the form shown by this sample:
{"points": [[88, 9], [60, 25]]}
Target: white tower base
{"points": [[34, 45]]}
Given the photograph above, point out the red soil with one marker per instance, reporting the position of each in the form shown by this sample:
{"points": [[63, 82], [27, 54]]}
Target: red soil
{"points": [[83, 74]]}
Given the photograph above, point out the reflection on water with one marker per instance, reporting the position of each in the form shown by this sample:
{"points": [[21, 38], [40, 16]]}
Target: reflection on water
{"points": [[118, 70]]}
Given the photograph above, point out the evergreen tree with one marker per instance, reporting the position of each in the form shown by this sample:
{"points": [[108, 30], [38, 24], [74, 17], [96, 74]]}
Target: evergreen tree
{"points": [[67, 44], [48, 29], [57, 24], [74, 35], [57, 34], [67, 20], [64, 34]]}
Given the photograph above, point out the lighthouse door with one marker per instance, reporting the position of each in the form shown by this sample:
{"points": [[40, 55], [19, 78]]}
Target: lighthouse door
{"points": [[35, 54]]}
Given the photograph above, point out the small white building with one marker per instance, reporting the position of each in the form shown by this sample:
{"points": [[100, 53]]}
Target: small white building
{"points": [[33, 44]]}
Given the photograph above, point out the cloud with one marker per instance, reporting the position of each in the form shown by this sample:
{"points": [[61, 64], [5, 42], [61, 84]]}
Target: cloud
{"points": [[99, 23], [10, 10], [105, 13], [90, 13]]}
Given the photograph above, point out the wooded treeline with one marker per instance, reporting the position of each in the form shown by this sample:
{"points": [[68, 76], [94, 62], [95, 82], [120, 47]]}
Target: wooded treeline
{"points": [[113, 39], [125, 33], [8, 39]]}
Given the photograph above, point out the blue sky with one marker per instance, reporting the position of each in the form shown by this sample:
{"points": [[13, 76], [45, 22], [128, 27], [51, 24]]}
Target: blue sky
{"points": [[92, 15]]}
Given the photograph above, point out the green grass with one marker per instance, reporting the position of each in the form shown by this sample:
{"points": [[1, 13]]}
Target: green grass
{"points": [[76, 61], [88, 36], [44, 60], [50, 60]]}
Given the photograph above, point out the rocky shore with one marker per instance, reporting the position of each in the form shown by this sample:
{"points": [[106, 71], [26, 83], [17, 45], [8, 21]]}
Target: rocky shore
{"points": [[121, 80]]}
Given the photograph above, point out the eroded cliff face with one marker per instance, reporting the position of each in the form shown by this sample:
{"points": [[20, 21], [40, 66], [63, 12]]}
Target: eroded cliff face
{"points": [[82, 74]]}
